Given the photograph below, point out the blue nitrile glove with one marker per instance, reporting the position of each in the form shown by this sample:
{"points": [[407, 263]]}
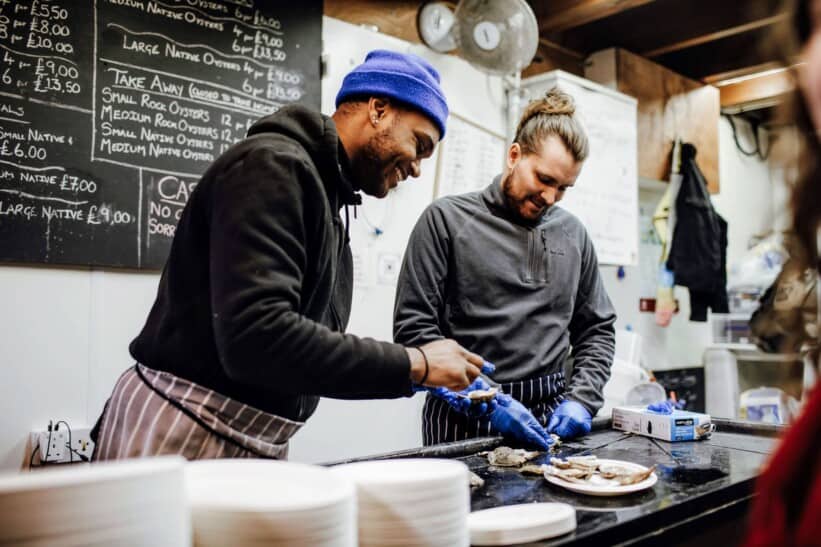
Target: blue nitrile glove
{"points": [[665, 407], [488, 368], [513, 420], [459, 401], [570, 419]]}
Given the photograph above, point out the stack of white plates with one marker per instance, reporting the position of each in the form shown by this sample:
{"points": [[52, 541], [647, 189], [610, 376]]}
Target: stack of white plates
{"points": [[130, 503], [411, 502], [246, 503]]}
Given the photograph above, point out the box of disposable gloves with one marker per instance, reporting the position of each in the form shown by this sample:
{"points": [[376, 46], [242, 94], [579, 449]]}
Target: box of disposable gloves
{"points": [[675, 425]]}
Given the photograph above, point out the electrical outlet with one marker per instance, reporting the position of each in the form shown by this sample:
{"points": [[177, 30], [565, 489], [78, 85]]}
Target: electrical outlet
{"points": [[53, 445], [82, 445], [57, 449]]}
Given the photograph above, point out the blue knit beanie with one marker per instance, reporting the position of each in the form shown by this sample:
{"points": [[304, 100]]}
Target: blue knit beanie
{"points": [[400, 76]]}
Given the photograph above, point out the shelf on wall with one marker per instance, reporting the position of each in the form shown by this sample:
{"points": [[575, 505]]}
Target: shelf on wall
{"points": [[750, 352]]}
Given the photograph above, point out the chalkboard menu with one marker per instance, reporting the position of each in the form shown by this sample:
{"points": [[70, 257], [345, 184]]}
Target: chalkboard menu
{"points": [[110, 110]]}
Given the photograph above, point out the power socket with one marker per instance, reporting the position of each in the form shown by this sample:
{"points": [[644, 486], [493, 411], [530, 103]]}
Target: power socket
{"points": [[53, 445], [82, 444], [57, 449]]}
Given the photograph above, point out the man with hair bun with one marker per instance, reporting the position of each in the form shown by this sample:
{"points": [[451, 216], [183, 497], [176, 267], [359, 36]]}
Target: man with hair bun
{"points": [[515, 279]]}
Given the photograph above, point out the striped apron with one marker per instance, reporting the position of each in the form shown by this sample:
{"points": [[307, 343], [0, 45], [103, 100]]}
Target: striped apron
{"points": [[442, 424], [151, 413]]}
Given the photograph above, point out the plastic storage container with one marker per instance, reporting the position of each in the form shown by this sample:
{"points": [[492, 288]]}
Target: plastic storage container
{"points": [[721, 383], [767, 404]]}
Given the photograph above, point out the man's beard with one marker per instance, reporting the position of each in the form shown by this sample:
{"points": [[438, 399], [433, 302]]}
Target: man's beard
{"points": [[369, 164], [517, 205]]}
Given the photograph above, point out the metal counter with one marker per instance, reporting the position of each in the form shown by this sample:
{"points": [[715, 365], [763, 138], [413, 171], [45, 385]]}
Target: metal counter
{"points": [[701, 498]]}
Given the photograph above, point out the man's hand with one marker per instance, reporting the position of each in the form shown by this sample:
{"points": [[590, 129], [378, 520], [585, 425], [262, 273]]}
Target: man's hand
{"points": [[570, 420], [448, 365], [513, 420]]}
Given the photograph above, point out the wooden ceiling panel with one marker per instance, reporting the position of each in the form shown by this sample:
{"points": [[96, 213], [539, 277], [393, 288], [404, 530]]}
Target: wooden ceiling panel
{"points": [[394, 17], [723, 55], [663, 23], [558, 15]]}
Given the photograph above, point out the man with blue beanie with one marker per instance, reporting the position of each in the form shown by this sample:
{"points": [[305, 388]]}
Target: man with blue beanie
{"points": [[247, 330]]}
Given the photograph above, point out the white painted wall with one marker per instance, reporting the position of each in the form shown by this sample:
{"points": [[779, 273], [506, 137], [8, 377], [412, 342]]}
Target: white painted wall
{"points": [[64, 332]]}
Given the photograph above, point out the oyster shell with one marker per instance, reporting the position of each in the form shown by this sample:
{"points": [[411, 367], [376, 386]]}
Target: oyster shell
{"points": [[531, 469], [476, 481], [483, 395], [504, 456], [568, 474]]}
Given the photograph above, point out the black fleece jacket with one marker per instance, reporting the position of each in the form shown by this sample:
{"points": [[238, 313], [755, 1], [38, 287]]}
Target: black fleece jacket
{"points": [[256, 292]]}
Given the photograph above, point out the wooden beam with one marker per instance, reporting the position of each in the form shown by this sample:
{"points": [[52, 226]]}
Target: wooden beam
{"points": [[559, 15], [724, 33], [722, 55], [765, 88], [551, 56], [660, 24], [392, 17], [741, 72]]}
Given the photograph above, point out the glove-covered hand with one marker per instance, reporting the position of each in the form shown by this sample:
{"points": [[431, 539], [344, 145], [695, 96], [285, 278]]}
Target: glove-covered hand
{"points": [[459, 400], [665, 407], [512, 419], [570, 420]]}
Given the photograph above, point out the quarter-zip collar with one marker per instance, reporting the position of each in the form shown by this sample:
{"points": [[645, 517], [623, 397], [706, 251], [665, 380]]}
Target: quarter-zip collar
{"points": [[494, 198]]}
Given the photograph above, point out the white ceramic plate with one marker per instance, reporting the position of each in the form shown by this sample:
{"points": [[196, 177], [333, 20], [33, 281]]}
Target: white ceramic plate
{"points": [[119, 499], [235, 486], [407, 475], [521, 523], [604, 487]]}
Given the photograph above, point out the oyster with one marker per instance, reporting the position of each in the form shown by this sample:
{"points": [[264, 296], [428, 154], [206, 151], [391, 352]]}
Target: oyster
{"points": [[504, 456], [612, 471], [633, 477], [585, 463], [476, 481], [531, 469], [483, 395], [568, 474]]}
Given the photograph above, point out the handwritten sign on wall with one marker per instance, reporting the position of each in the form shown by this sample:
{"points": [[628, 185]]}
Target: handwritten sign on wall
{"points": [[470, 157]]}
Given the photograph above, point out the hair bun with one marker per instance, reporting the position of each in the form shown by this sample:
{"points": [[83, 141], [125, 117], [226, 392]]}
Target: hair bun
{"points": [[557, 101], [552, 114]]}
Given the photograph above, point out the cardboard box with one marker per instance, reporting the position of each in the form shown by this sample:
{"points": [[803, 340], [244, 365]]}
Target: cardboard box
{"points": [[678, 426]]}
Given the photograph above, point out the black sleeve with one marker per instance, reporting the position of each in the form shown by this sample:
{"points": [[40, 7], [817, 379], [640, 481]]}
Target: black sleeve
{"points": [[420, 291], [258, 254], [592, 335]]}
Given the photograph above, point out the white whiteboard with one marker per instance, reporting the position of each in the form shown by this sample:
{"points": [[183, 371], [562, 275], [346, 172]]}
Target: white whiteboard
{"points": [[605, 196], [470, 156]]}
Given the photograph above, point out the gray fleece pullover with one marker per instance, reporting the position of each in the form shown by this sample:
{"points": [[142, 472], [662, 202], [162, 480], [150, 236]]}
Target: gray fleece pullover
{"points": [[518, 294]]}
